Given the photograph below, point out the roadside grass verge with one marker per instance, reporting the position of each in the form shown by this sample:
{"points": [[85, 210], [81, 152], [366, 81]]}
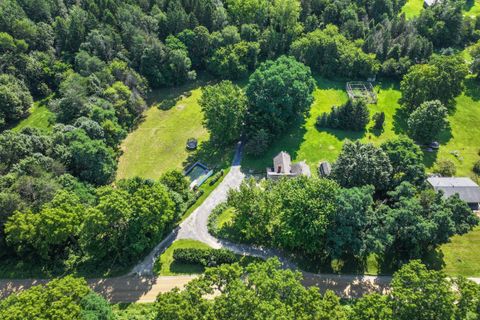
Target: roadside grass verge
{"points": [[166, 266]]}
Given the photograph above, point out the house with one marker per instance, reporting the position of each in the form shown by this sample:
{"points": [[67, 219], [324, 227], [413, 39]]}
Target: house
{"points": [[466, 189], [283, 167], [429, 3], [324, 169]]}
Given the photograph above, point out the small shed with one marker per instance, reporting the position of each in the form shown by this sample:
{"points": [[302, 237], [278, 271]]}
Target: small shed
{"points": [[324, 169]]}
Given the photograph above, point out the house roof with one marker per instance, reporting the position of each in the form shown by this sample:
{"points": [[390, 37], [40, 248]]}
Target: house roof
{"points": [[284, 161], [466, 189], [301, 168]]}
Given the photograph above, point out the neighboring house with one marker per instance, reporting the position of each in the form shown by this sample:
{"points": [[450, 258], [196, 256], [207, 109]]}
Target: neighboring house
{"points": [[429, 3], [283, 167], [324, 169], [466, 189]]}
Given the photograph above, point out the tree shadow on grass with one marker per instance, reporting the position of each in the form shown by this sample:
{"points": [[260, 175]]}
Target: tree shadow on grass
{"points": [[434, 259], [289, 142], [468, 5], [158, 95], [210, 154], [472, 89], [400, 124]]}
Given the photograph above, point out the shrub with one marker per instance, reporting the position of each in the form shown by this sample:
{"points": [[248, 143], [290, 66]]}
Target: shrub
{"points": [[476, 167], [446, 168], [167, 104], [205, 257], [216, 177], [353, 115], [379, 119]]}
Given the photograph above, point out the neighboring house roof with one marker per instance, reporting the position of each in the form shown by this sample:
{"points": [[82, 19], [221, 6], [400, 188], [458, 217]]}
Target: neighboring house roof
{"points": [[282, 161], [429, 3], [467, 190], [301, 168]]}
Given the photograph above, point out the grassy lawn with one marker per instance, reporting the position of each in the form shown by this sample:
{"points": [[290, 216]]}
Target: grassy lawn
{"points": [[225, 217], [38, 118], [461, 256], [306, 142], [158, 144], [472, 8], [412, 8], [165, 265]]}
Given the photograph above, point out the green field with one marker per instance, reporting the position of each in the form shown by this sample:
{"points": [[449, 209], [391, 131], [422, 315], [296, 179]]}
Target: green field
{"points": [[412, 8], [158, 144], [38, 118], [472, 8], [165, 265], [306, 142], [461, 256]]}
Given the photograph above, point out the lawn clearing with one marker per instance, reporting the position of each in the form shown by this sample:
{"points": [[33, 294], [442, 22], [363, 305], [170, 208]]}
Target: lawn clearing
{"points": [[166, 266], [306, 142], [412, 8], [461, 255], [38, 118], [472, 8], [462, 143], [159, 143]]}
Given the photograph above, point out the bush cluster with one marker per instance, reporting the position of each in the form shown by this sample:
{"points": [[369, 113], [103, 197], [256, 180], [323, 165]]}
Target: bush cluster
{"points": [[353, 115], [205, 257]]}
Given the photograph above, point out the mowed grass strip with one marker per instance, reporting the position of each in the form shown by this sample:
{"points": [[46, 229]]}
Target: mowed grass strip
{"points": [[165, 265], [159, 143]]}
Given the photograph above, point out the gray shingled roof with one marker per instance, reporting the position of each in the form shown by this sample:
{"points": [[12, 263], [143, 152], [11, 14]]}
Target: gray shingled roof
{"points": [[467, 190]]}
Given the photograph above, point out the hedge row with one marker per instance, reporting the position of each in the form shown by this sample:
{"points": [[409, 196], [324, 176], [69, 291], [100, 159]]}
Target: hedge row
{"points": [[205, 257]]}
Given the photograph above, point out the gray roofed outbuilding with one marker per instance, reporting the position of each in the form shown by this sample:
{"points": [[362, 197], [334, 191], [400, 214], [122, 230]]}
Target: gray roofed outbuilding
{"points": [[466, 189]]}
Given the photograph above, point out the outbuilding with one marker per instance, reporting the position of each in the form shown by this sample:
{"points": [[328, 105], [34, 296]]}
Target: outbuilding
{"points": [[466, 189]]}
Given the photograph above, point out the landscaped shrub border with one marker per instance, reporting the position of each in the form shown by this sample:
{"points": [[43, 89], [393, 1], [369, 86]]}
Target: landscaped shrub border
{"points": [[205, 257]]}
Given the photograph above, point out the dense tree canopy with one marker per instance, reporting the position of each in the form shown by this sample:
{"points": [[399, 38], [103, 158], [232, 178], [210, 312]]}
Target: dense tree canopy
{"points": [[224, 106], [65, 298], [362, 164], [279, 92], [426, 122]]}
